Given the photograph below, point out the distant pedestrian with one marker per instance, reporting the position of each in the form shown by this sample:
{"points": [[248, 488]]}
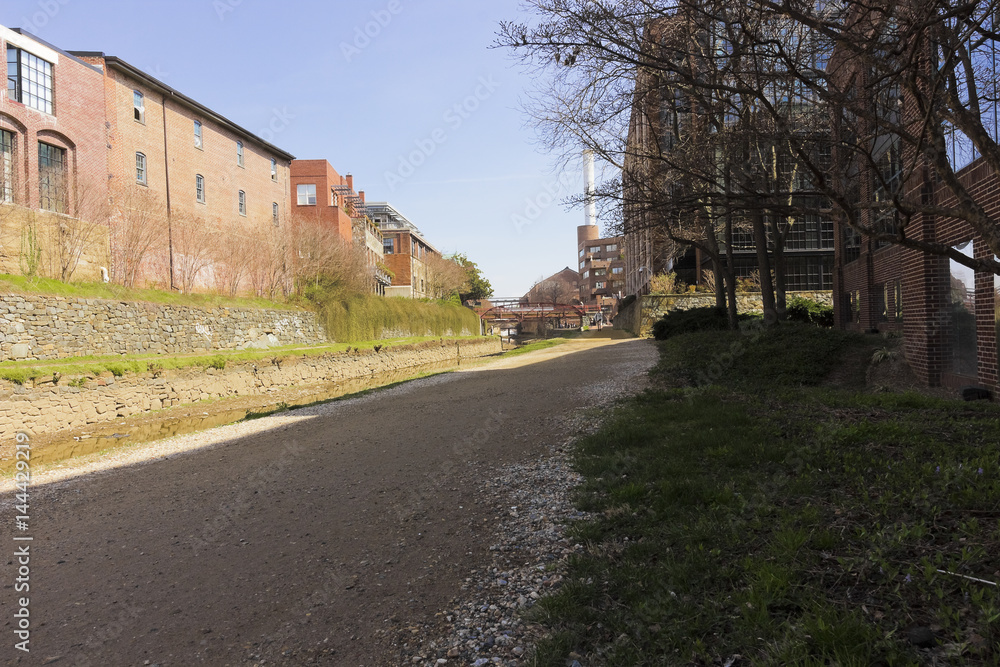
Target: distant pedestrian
{"points": [[599, 320]]}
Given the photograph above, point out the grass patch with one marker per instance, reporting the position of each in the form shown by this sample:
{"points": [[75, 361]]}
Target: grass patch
{"points": [[10, 284], [78, 368], [534, 346], [365, 317], [743, 509]]}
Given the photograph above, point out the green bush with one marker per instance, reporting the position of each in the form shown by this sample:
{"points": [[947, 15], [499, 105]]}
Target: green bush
{"points": [[801, 309], [686, 321]]}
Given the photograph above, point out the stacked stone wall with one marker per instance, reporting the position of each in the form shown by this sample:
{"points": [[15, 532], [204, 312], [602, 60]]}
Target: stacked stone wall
{"points": [[48, 407], [46, 327]]}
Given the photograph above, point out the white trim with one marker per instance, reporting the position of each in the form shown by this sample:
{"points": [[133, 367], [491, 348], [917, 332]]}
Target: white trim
{"points": [[28, 44]]}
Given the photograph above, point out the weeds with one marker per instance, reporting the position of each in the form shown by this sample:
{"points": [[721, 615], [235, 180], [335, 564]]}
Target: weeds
{"points": [[771, 518]]}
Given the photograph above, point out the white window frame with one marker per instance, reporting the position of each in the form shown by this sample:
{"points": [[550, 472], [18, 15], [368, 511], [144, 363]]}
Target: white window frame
{"points": [[199, 188], [141, 174], [139, 107], [306, 196], [239, 153], [199, 135], [242, 203]]}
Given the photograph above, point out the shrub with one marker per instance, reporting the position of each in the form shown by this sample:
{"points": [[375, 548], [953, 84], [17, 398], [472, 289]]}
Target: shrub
{"points": [[663, 283], [685, 321], [217, 362], [800, 309]]}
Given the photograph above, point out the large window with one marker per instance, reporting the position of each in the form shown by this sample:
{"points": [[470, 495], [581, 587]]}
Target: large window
{"points": [[389, 246], [140, 168], [964, 353], [199, 188], [138, 106], [51, 178], [307, 194], [29, 80], [6, 166]]}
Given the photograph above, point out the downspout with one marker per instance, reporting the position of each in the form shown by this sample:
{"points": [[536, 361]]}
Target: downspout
{"points": [[166, 171]]}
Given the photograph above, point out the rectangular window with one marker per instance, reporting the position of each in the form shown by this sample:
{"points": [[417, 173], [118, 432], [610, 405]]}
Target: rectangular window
{"points": [[611, 248], [6, 166], [594, 250], [274, 169], [243, 203], [239, 153], [307, 194], [388, 246], [199, 188], [51, 178], [140, 168], [618, 269], [29, 80], [275, 213], [139, 107], [198, 139], [599, 285]]}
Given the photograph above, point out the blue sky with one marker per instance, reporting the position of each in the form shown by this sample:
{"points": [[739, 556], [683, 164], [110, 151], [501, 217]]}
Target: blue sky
{"points": [[404, 94]]}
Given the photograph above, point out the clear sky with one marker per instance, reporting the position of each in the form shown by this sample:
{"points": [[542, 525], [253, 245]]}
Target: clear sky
{"points": [[406, 95]]}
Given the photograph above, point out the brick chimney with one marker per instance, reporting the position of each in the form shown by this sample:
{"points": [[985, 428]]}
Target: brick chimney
{"points": [[362, 195], [350, 183]]}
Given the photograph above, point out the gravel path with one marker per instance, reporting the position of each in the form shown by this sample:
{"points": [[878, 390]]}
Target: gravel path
{"points": [[408, 526]]}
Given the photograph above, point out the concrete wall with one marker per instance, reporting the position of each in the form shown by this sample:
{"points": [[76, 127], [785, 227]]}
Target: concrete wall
{"points": [[48, 408], [639, 317], [45, 327]]}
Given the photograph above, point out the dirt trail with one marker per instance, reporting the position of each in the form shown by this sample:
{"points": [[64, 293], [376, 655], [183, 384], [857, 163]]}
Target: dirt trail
{"points": [[310, 543]]}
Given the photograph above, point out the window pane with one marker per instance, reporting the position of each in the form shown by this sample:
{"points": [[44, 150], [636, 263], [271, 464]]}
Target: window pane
{"points": [[140, 168], [199, 185], [51, 178], [6, 166], [964, 356]]}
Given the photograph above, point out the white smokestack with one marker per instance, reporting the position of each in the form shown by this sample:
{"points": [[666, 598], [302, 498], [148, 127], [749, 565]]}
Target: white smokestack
{"points": [[590, 186]]}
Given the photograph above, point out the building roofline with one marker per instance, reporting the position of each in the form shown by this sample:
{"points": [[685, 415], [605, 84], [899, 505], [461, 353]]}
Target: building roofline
{"points": [[408, 226], [122, 66], [68, 54]]}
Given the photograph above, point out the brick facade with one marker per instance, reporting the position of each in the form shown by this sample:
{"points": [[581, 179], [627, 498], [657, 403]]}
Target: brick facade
{"points": [[406, 252], [74, 126], [602, 267]]}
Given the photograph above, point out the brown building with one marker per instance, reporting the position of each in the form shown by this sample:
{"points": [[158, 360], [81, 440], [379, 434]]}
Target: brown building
{"points": [[193, 169], [53, 159], [559, 288], [602, 267], [406, 252]]}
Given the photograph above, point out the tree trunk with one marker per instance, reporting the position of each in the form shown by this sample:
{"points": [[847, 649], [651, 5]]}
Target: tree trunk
{"points": [[764, 266], [730, 272]]}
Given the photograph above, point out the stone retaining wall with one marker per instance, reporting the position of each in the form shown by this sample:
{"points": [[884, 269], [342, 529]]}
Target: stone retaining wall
{"points": [[639, 317], [48, 408], [47, 327]]}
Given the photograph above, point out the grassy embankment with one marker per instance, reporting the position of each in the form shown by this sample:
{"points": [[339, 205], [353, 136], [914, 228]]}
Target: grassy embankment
{"points": [[743, 514], [356, 322]]}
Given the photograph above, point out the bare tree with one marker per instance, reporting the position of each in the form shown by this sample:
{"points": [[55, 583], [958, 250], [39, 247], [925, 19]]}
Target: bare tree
{"points": [[445, 277], [74, 236], [138, 231], [194, 243]]}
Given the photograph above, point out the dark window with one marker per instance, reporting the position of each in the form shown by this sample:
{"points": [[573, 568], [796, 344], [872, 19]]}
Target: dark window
{"points": [[29, 80], [388, 246], [138, 106], [140, 168], [51, 178], [7, 163]]}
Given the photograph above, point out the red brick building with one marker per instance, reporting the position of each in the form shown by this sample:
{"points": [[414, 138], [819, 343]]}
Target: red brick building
{"points": [[53, 156], [559, 288], [195, 171], [322, 195]]}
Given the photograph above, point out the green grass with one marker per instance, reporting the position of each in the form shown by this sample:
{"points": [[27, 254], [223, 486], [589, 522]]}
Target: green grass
{"points": [[10, 284], [534, 346], [365, 317], [742, 508], [72, 370]]}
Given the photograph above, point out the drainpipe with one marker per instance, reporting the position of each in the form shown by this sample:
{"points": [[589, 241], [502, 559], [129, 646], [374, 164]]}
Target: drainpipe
{"points": [[166, 171]]}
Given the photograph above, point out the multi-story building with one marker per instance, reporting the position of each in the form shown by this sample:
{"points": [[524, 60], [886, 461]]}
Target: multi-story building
{"points": [[53, 162], [559, 288], [407, 252], [322, 196], [602, 267], [679, 160], [190, 170]]}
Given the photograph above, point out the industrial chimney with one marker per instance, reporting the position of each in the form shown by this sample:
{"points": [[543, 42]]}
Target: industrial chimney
{"points": [[590, 187]]}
